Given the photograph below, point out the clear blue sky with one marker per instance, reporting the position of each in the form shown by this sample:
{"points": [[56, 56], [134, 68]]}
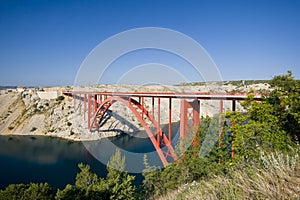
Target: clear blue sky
{"points": [[43, 42]]}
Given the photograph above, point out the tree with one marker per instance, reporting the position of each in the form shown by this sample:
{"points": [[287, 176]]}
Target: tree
{"points": [[285, 98], [70, 193], [152, 183], [120, 183], [85, 178], [258, 129], [87, 186]]}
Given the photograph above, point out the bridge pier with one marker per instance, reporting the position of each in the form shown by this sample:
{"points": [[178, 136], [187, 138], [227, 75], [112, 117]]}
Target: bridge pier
{"points": [[84, 107], [189, 120], [170, 119], [89, 111], [158, 122], [220, 123]]}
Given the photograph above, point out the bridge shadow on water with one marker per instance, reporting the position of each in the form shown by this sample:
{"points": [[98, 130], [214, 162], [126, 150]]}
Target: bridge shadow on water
{"points": [[133, 146]]}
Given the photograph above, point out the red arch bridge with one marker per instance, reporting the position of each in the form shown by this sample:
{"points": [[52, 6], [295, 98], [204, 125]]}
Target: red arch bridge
{"points": [[96, 104]]}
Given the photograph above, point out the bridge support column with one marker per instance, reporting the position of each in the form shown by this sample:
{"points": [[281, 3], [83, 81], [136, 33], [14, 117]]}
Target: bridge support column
{"points": [[170, 119], [189, 120], [89, 112], [153, 108], [220, 123], [220, 128], [233, 105], [80, 104], [232, 134], [99, 99], [95, 104], [143, 104], [84, 107], [158, 122], [232, 143]]}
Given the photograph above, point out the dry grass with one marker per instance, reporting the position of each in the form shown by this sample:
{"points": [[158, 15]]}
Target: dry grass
{"points": [[279, 178]]}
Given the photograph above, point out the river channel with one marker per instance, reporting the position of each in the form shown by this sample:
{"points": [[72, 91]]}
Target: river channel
{"points": [[26, 159]]}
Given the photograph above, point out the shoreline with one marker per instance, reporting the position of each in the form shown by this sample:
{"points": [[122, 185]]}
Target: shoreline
{"points": [[69, 138]]}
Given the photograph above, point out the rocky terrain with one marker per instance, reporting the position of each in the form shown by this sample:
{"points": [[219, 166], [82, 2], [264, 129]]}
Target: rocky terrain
{"points": [[26, 114]]}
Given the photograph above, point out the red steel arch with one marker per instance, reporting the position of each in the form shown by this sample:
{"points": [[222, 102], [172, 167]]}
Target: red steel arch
{"points": [[146, 121]]}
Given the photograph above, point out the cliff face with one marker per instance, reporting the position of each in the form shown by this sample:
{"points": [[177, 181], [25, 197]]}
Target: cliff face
{"points": [[26, 114]]}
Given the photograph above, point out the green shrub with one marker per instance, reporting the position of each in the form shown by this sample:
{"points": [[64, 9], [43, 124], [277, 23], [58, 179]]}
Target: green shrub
{"points": [[33, 129], [60, 98]]}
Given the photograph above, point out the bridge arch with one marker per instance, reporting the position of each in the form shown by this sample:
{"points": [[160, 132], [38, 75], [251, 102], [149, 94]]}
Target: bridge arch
{"points": [[144, 117]]}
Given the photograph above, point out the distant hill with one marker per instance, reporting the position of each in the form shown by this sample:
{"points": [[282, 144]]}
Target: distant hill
{"points": [[235, 83], [7, 87]]}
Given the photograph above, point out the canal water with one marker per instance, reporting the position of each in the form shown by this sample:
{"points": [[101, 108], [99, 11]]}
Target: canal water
{"points": [[26, 159]]}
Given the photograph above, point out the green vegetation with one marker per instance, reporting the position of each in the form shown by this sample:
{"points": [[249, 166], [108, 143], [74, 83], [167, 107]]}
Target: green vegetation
{"points": [[117, 185], [40, 191], [235, 83], [277, 178], [255, 171], [246, 82], [33, 129], [264, 140], [286, 102], [60, 98]]}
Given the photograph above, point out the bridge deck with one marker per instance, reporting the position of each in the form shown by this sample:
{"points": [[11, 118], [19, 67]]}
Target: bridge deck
{"points": [[180, 95]]}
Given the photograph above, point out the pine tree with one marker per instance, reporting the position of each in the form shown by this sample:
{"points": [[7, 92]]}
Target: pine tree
{"points": [[120, 183]]}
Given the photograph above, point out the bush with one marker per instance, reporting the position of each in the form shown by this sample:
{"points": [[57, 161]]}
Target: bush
{"points": [[60, 98], [33, 129], [35, 111]]}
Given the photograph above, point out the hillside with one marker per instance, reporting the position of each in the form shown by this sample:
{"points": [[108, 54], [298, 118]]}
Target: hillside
{"points": [[26, 114]]}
